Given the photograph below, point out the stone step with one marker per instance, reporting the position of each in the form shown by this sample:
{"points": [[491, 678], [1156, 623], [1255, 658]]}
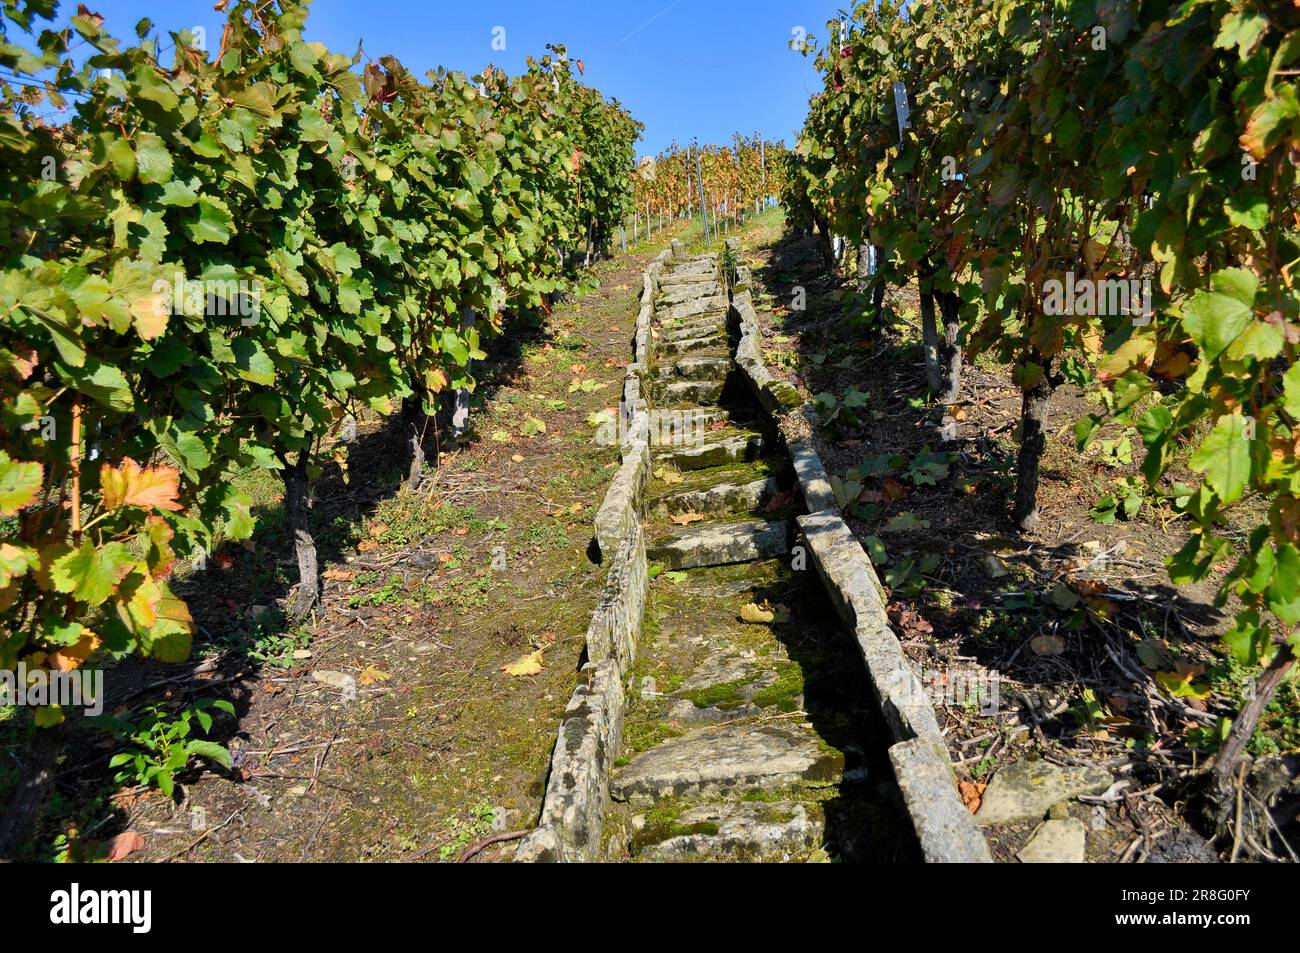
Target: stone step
{"points": [[732, 445], [732, 684], [710, 288], [695, 369], [736, 831], [676, 428], [688, 392], [694, 277], [703, 264], [728, 760], [695, 329], [725, 498], [714, 304], [690, 345], [720, 544]]}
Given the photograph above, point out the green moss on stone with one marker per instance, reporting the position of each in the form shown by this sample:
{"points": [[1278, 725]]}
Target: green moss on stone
{"points": [[786, 692], [641, 736], [725, 696]]}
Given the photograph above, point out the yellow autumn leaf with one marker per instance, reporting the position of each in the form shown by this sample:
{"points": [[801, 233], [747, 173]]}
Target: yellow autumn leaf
{"points": [[525, 665], [757, 614], [155, 488], [138, 603], [435, 380], [151, 314], [372, 675], [74, 656], [686, 519], [1095, 253]]}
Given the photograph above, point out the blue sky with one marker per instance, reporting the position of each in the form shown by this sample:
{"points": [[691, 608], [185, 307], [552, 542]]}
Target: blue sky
{"points": [[687, 69]]}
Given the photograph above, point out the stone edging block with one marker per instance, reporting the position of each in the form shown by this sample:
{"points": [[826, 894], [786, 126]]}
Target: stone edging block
{"points": [[577, 792], [945, 828], [616, 624]]}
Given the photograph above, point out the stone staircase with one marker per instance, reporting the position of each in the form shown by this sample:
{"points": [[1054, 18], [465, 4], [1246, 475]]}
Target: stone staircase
{"points": [[743, 737]]}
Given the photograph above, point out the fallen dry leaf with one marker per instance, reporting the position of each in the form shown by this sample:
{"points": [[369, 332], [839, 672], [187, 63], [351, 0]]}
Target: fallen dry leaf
{"points": [[1048, 645], [339, 575], [913, 624], [780, 501], [526, 665], [972, 794], [124, 845], [894, 491], [686, 519], [756, 614], [371, 675]]}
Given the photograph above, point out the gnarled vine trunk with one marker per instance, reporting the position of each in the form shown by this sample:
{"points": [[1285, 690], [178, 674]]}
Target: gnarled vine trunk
{"points": [[950, 357], [930, 341], [297, 518], [1035, 408], [864, 266], [826, 243], [1243, 728], [414, 424]]}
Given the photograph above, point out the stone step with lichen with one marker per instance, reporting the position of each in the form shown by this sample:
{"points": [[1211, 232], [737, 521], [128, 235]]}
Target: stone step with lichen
{"points": [[678, 428], [729, 760], [680, 293], [687, 330], [695, 369], [697, 307], [729, 832], [705, 265], [678, 392], [691, 345], [724, 498], [734, 684], [720, 544], [723, 447], [680, 279]]}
